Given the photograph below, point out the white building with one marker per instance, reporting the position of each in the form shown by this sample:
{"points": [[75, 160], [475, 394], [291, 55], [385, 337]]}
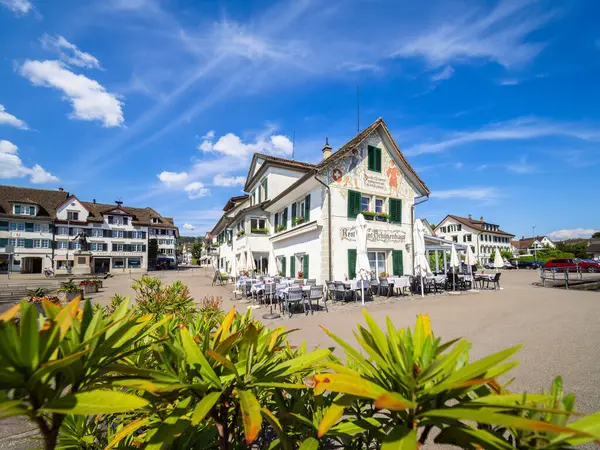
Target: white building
{"points": [[42, 226], [483, 237], [528, 246], [299, 218]]}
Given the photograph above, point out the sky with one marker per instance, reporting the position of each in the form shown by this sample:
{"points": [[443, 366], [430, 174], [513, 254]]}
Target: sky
{"points": [[162, 103]]}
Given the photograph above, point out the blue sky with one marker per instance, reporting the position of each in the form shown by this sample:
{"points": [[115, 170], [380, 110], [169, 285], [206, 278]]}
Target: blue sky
{"points": [[162, 102]]}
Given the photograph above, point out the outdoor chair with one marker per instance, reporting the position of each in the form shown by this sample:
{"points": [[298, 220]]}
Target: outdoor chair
{"points": [[385, 288], [294, 297], [341, 293], [374, 287], [316, 293], [429, 286], [311, 282], [298, 281], [495, 281], [465, 283], [440, 285], [330, 289], [247, 289], [451, 281], [367, 290], [270, 295], [276, 280]]}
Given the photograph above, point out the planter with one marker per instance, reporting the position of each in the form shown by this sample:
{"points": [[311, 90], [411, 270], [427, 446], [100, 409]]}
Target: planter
{"points": [[381, 219], [70, 296], [368, 217]]}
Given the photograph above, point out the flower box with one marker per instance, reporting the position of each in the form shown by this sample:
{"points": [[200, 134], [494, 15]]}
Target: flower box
{"points": [[298, 220], [300, 275], [368, 217], [279, 228], [240, 233], [260, 230], [381, 219]]}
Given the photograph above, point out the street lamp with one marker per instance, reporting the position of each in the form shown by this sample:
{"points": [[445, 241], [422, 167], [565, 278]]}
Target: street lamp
{"points": [[534, 248]]}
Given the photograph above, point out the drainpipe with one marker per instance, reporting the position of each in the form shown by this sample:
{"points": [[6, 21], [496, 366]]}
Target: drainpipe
{"points": [[53, 241], [328, 225], [412, 226]]}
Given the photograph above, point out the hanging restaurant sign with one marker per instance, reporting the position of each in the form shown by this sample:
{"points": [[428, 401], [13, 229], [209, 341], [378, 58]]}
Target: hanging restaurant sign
{"points": [[374, 235]]}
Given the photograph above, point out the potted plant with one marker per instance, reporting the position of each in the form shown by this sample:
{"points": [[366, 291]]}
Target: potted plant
{"points": [[279, 228], [240, 233], [38, 299], [384, 274], [382, 217], [298, 220], [369, 215], [98, 281], [260, 230], [301, 275], [70, 289], [88, 286]]}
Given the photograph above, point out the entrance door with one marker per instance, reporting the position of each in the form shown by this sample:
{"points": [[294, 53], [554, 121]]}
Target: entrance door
{"points": [[36, 265], [101, 265]]}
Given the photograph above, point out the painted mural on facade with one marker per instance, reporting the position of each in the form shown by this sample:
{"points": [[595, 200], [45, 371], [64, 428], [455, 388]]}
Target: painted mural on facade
{"points": [[351, 172]]}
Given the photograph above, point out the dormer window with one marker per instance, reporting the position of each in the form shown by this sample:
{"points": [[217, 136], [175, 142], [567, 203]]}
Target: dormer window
{"points": [[155, 220], [24, 210], [73, 215]]}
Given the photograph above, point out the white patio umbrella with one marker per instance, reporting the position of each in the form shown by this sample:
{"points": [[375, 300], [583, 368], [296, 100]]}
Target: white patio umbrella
{"points": [[421, 261], [471, 260], [234, 268], [250, 262], [242, 267], [498, 261], [363, 268], [454, 263]]}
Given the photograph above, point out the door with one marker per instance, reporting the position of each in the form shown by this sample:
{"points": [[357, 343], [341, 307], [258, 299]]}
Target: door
{"points": [[36, 266], [101, 265]]}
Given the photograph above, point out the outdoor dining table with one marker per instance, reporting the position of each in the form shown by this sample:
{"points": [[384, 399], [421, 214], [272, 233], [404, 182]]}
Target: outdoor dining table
{"points": [[242, 281]]}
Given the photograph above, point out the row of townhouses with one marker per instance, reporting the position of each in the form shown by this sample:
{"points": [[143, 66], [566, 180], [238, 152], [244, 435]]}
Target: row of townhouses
{"points": [[298, 218], [42, 229]]}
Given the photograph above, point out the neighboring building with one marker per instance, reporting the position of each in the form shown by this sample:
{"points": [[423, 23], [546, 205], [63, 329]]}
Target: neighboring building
{"points": [[43, 227], [300, 217], [186, 253], [593, 249], [429, 230], [483, 237], [528, 246]]}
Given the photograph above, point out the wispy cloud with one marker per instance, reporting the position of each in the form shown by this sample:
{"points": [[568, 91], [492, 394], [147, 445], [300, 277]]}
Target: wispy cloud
{"points": [[445, 74], [522, 128], [573, 233], [470, 193], [221, 180], [8, 119], [19, 7], [69, 53], [508, 82], [498, 35], [11, 166]]}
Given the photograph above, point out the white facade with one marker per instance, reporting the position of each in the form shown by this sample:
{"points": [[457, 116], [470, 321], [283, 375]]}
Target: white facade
{"points": [[483, 237]]}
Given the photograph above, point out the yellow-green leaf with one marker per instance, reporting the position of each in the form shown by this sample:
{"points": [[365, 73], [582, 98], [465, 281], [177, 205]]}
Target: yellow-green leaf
{"points": [[392, 401], [400, 438], [251, 416], [95, 402], [11, 408], [330, 418], [204, 406], [347, 384], [126, 431], [195, 358], [309, 444]]}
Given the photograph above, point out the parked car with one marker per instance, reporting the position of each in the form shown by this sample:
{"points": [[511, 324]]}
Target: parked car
{"points": [[528, 264], [572, 264]]}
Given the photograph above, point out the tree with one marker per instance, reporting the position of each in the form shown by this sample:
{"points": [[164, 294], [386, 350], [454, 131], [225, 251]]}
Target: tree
{"points": [[596, 235], [197, 250], [506, 254]]}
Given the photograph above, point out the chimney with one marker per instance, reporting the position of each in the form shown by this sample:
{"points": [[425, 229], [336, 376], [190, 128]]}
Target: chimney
{"points": [[326, 150], [94, 201], [470, 217], [61, 189], [522, 237], [481, 218]]}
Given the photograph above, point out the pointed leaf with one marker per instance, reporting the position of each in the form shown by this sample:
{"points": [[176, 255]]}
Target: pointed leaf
{"points": [[11, 408], [204, 407], [470, 438], [589, 424], [333, 414], [309, 444], [195, 358], [128, 430], [95, 402], [251, 416], [392, 401], [400, 438], [274, 422], [11, 313]]}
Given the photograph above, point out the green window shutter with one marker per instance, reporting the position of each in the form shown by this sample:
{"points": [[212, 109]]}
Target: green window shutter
{"points": [[28, 243], [285, 217], [3, 226], [266, 191], [3, 242], [371, 158], [293, 214], [378, 159], [395, 210], [353, 203], [293, 266], [305, 268], [276, 220], [259, 197], [397, 263], [351, 263], [307, 208], [28, 227], [283, 266]]}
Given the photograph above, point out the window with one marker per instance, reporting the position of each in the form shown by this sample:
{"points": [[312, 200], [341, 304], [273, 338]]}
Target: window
{"points": [[20, 242], [377, 262], [37, 243], [72, 215], [75, 245], [117, 247], [17, 209], [41, 227], [118, 234], [62, 245], [379, 205], [96, 232], [257, 222], [12, 242], [134, 263], [455, 238], [17, 226], [62, 230], [45, 243], [374, 159], [118, 263], [301, 209], [365, 203]]}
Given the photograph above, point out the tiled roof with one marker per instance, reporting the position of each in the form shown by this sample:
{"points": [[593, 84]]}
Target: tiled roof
{"points": [[276, 160], [525, 243], [47, 200], [141, 216], [475, 224]]}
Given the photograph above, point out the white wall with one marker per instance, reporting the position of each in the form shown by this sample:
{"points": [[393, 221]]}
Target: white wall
{"points": [[75, 206]]}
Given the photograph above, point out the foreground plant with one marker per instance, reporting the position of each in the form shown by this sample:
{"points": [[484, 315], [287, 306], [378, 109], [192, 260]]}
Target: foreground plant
{"points": [[152, 297]]}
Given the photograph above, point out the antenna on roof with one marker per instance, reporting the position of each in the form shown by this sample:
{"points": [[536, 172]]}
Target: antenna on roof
{"points": [[357, 109], [118, 201]]}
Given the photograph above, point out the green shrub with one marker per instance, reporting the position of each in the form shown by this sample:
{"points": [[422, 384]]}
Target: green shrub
{"points": [[152, 297], [91, 381]]}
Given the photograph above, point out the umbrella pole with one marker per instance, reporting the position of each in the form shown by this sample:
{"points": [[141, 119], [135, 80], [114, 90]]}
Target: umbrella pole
{"points": [[362, 286], [422, 289]]}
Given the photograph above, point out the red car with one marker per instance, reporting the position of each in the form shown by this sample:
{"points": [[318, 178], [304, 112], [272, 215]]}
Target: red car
{"points": [[572, 264]]}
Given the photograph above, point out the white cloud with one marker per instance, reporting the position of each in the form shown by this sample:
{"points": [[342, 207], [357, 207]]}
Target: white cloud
{"points": [[508, 82], [445, 74], [172, 178], [208, 136], [498, 35], [574, 233], [221, 180], [69, 53], [8, 119], [472, 193], [187, 226], [18, 6], [89, 98], [196, 190], [11, 166], [522, 128], [232, 145]]}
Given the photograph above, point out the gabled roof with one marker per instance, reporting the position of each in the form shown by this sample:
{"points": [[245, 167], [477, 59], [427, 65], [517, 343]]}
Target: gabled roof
{"points": [[360, 137], [525, 243], [70, 199], [233, 201], [47, 200], [475, 224], [273, 161], [141, 216]]}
